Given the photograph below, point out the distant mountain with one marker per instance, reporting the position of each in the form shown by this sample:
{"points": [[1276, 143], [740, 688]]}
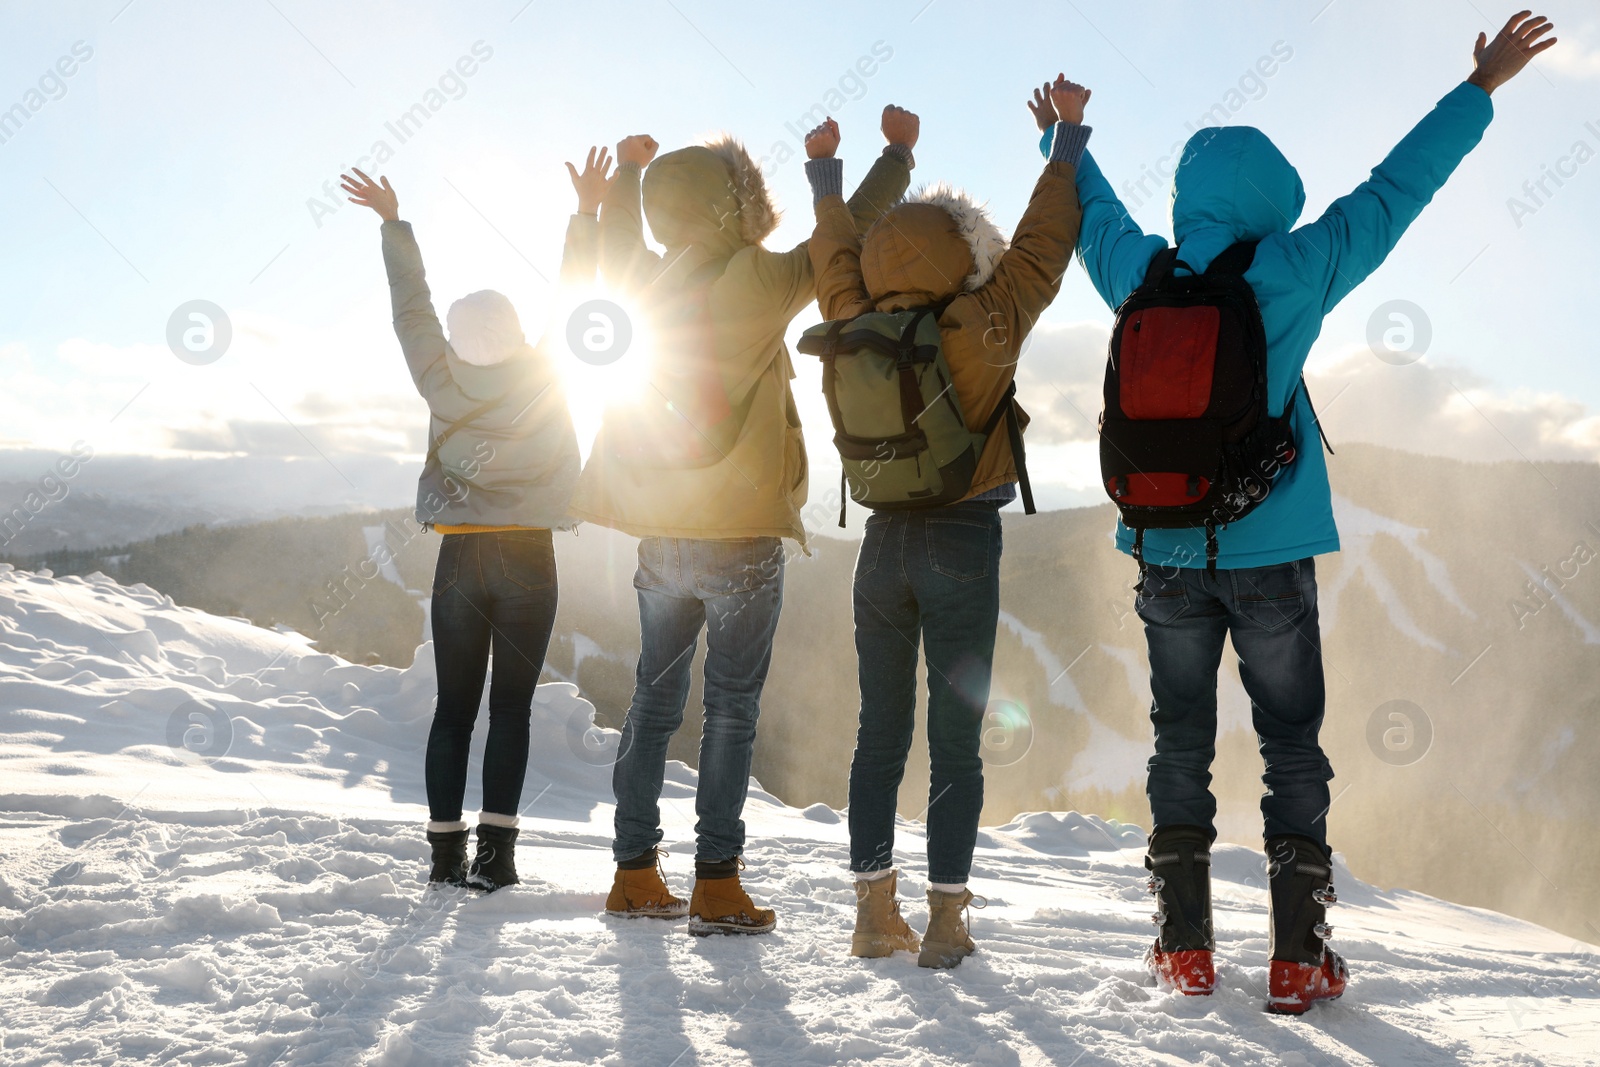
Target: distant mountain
{"points": [[1462, 644], [118, 499]]}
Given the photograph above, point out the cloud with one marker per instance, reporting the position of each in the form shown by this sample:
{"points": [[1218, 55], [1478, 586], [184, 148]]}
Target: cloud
{"points": [[248, 437], [280, 390], [1059, 377], [1432, 406], [1444, 409], [1578, 53]]}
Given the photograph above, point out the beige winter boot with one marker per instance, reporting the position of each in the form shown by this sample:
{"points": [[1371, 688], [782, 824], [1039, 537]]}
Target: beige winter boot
{"points": [[644, 893], [880, 930], [721, 906], [947, 941]]}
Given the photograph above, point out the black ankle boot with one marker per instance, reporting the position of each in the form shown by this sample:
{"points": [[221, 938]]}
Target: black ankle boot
{"points": [[1179, 862], [1301, 876], [449, 857], [495, 865]]}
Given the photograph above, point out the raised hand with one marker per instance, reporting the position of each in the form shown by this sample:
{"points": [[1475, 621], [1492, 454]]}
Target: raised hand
{"points": [[1044, 112], [593, 183], [640, 148], [368, 193], [1497, 62], [823, 142], [900, 126], [1069, 99]]}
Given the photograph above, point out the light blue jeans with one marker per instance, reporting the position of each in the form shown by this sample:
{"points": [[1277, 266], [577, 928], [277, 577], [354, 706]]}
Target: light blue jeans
{"points": [[734, 590]]}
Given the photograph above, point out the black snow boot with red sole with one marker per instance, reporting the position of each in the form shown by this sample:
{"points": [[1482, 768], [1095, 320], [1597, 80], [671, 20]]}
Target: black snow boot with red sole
{"points": [[1179, 862], [1304, 969]]}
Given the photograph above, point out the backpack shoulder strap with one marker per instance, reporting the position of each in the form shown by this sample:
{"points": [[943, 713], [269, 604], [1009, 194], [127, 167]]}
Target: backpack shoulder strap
{"points": [[460, 424], [825, 347], [1303, 388], [907, 358], [1161, 265], [1235, 259], [1007, 410]]}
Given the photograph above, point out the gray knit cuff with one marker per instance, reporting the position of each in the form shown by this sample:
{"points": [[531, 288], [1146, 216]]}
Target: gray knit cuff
{"points": [[826, 177], [1068, 141], [902, 153]]}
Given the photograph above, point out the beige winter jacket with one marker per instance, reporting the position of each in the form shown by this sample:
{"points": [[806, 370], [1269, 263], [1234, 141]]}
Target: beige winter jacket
{"points": [[710, 203]]}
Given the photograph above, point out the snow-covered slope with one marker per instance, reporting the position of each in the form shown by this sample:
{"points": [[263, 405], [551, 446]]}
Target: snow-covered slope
{"points": [[211, 851]]}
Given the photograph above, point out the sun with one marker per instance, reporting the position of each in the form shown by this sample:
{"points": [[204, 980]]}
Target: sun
{"points": [[603, 350]]}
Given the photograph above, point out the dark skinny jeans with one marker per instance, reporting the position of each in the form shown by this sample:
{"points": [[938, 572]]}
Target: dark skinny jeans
{"points": [[491, 592]]}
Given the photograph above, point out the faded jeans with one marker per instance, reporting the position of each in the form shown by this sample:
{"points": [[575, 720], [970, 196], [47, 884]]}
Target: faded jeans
{"points": [[734, 590]]}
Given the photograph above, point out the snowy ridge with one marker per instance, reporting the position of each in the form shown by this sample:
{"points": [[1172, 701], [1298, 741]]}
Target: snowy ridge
{"points": [[211, 852], [1358, 529]]}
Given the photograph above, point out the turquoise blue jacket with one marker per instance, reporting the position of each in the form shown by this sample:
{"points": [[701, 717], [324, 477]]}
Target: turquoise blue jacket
{"points": [[1233, 184]]}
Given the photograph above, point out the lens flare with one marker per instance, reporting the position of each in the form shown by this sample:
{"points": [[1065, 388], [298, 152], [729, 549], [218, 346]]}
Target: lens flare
{"points": [[1007, 733]]}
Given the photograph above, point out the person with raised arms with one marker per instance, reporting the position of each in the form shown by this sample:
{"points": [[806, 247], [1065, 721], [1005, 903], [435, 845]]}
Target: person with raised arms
{"points": [[707, 467], [1210, 449], [928, 311], [501, 466]]}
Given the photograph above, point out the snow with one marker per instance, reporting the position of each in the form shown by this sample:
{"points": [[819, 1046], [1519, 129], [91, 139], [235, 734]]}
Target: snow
{"points": [[1589, 631], [211, 852], [1358, 530]]}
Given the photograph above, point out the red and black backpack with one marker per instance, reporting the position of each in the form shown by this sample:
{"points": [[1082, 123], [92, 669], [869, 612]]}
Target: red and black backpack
{"points": [[1185, 438]]}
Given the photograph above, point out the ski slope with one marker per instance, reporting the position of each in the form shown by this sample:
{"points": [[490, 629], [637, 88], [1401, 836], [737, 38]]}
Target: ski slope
{"points": [[211, 853]]}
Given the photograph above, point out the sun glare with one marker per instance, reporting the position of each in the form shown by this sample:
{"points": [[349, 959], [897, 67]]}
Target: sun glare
{"points": [[603, 347]]}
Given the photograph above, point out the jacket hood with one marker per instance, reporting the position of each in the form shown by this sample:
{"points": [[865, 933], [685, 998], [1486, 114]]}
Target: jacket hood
{"points": [[1232, 184], [484, 329], [937, 243], [709, 195]]}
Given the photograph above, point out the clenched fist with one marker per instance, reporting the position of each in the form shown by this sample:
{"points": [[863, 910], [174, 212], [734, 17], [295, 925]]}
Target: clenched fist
{"points": [[641, 148], [901, 126], [823, 142], [1069, 99]]}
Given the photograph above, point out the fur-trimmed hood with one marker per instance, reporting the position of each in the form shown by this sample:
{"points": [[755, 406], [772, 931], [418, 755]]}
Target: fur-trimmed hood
{"points": [[937, 243], [711, 195]]}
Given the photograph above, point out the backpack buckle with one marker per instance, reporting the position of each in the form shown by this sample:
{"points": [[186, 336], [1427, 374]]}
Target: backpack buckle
{"points": [[1192, 486]]}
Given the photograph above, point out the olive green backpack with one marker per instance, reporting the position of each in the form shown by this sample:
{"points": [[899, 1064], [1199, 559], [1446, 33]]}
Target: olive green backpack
{"points": [[897, 422]]}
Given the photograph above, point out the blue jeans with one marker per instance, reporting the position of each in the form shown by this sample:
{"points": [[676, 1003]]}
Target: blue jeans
{"points": [[1271, 613], [734, 589], [930, 577], [490, 590]]}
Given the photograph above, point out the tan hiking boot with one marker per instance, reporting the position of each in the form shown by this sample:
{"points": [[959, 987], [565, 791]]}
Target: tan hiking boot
{"points": [[880, 929], [643, 894], [947, 941], [721, 906]]}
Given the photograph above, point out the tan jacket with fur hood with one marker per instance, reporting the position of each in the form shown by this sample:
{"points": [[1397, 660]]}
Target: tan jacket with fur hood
{"points": [[710, 203], [938, 246]]}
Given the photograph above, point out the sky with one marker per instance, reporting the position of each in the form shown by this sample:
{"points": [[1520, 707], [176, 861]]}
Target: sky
{"points": [[192, 151]]}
